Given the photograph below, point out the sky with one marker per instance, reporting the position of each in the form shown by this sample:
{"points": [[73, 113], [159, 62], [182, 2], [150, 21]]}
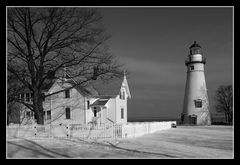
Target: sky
{"points": [[153, 43]]}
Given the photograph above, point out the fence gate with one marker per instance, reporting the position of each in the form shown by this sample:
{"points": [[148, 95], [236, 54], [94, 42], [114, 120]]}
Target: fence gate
{"points": [[89, 131]]}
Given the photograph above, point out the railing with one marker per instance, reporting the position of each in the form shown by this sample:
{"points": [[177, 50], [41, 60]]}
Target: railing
{"points": [[110, 120], [190, 61]]}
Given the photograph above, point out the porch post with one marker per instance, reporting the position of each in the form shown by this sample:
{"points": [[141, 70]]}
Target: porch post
{"points": [[101, 115]]}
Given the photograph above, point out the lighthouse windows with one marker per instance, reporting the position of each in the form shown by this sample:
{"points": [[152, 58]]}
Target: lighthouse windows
{"points": [[191, 67], [198, 103]]}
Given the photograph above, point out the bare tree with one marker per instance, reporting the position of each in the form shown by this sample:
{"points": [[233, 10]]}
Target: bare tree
{"points": [[42, 41], [224, 102]]}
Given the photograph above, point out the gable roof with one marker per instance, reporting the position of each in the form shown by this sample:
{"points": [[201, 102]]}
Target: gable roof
{"points": [[80, 88]]}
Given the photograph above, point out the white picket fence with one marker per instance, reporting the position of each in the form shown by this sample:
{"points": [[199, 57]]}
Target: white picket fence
{"points": [[87, 131], [136, 129]]}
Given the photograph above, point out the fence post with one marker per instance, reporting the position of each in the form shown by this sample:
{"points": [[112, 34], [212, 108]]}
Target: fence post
{"points": [[134, 131], [50, 131], [68, 130], [122, 132], [35, 130], [113, 128], [18, 130]]}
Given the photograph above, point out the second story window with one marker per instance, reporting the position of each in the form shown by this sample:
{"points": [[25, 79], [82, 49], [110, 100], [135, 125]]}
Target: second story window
{"points": [[123, 95], [67, 93], [122, 113], [68, 113], [22, 97], [31, 96], [27, 96]]}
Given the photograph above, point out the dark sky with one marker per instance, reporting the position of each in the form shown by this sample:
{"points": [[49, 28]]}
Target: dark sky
{"points": [[153, 44]]}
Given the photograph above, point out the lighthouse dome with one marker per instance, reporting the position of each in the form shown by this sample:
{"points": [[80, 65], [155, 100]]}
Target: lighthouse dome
{"points": [[195, 49]]}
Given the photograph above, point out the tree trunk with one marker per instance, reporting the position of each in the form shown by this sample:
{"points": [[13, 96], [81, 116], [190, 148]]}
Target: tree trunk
{"points": [[38, 107], [40, 119]]}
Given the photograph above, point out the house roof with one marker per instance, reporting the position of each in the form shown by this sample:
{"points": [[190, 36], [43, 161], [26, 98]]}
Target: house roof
{"points": [[48, 84], [97, 88], [108, 87], [80, 88]]}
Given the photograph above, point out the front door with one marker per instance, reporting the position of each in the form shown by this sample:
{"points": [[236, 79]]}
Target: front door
{"points": [[94, 113], [193, 119]]}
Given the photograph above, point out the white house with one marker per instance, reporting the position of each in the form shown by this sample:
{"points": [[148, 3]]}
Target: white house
{"points": [[100, 102]]}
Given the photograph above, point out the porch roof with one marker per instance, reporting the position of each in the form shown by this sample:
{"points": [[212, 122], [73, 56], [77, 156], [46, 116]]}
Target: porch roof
{"points": [[99, 102]]}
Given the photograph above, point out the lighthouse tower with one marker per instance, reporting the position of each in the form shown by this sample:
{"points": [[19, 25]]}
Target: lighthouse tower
{"points": [[196, 105]]}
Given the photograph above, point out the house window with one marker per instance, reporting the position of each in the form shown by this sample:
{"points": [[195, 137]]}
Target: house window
{"points": [[28, 114], [120, 95], [27, 96], [68, 115], [122, 113], [198, 103], [31, 96], [48, 115], [67, 93], [88, 104], [123, 95], [191, 67], [22, 97], [43, 96]]}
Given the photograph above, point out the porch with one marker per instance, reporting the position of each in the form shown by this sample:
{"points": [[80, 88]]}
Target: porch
{"points": [[100, 112]]}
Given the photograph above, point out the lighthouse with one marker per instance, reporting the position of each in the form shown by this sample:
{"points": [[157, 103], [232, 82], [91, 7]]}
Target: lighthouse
{"points": [[196, 104]]}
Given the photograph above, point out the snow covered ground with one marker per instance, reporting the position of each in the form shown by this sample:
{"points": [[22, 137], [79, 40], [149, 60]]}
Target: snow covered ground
{"points": [[180, 142]]}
